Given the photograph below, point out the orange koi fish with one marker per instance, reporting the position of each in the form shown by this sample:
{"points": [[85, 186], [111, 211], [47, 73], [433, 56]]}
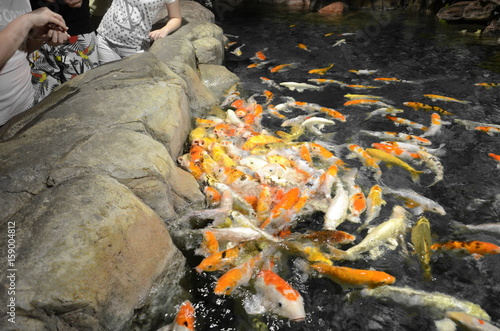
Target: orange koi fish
{"points": [[404, 121], [374, 204], [478, 249], [360, 153], [357, 204], [364, 102], [209, 245], [436, 124], [257, 64], [236, 277], [490, 130], [212, 195], [320, 71], [192, 167], [391, 79], [259, 55], [282, 206], [258, 140], [495, 157], [269, 96], [282, 67], [488, 85], [360, 87], [278, 297], [185, 319], [303, 46], [354, 278], [419, 105], [218, 260], [435, 97]]}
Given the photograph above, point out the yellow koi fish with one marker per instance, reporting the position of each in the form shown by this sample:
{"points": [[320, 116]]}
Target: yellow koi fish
{"points": [[320, 71]]}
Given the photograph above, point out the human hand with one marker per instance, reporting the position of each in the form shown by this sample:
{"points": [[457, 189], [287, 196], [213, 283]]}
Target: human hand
{"points": [[158, 34], [42, 17]]}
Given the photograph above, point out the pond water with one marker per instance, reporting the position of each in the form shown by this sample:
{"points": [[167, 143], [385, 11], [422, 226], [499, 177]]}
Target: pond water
{"points": [[430, 57]]}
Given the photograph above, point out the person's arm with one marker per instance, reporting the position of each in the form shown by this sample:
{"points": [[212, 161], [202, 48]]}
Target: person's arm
{"points": [[15, 33], [174, 21]]}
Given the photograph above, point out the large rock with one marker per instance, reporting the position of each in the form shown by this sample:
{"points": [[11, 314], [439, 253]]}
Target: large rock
{"points": [[335, 8], [81, 258]]}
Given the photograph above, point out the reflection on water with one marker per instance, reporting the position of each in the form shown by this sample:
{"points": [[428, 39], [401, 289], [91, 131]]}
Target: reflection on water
{"points": [[437, 58]]}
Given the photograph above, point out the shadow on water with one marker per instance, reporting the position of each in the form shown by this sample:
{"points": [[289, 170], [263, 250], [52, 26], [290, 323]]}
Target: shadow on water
{"points": [[437, 58]]}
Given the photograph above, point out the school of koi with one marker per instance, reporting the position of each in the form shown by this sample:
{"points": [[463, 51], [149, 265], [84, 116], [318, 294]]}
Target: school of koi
{"points": [[259, 185]]}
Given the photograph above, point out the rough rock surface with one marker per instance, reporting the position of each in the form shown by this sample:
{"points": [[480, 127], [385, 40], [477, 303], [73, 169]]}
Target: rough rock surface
{"points": [[88, 183], [335, 8]]}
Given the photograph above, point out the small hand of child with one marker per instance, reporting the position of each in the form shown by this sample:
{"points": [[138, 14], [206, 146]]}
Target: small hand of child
{"points": [[157, 34]]}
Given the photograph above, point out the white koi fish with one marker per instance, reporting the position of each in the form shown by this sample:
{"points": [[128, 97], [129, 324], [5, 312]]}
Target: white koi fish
{"points": [[417, 202], [339, 42], [436, 125], [469, 322], [364, 72], [385, 111], [300, 87], [237, 51], [275, 296], [436, 304], [398, 136], [434, 164], [489, 228], [337, 210]]}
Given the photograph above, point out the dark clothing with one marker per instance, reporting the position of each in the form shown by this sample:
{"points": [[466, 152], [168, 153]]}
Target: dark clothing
{"points": [[77, 19]]}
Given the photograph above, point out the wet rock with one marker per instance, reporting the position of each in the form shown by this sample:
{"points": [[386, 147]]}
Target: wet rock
{"points": [[81, 258], [478, 11], [217, 78], [493, 29], [453, 12], [209, 50], [336, 8]]}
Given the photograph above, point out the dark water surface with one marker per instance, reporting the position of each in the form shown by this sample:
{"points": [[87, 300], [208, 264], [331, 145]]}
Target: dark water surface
{"points": [[438, 59]]}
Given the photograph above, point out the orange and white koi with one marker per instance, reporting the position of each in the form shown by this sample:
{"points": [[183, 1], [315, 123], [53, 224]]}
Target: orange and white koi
{"points": [[354, 278], [257, 64], [303, 46], [259, 55], [476, 248], [495, 157], [368, 161], [209, 245], [325, 81], [391, 79], [270, 83], [274, 295], [360, 87], [325, 155], [413, 148], [426, 107], [434, 164], [374, 203], [490, 130], [320, 71], [398, 136], [488, 85], [470, 125], [407, 122], [436, 124], [218, 260], [470, 322], [436, 97], [236, 277], [237, 51], [357, 204], [279, 213], [185, 319], [329, 237], [282, 67]]}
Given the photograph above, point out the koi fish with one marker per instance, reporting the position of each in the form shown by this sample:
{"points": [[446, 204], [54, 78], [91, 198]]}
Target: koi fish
{"points": [[363, 71], [303, 46], [218, 260], [270, 83], [282, 67], [260, 139], [274, 295], [320, 71], [385, 234], [374, 203], [339, 42], [490, 130], [361, 96], [209, 244], [413, 148], [391, 79], [489, 228], [367, 160], [434, 164], [396, 151], [236, 277], [259, 55], [488, 85], [269, 96], [360, 87], [418, 203], [185, 319], [404, 121], [470, 125], [468, 322], [353, 278], [419, 105], [436, 124], [257, 64], [476, 248], [326, 81], [399, 136], [237, 51], [495, 157], [365, 102], [436, 304], [315, 124], [422, 241], [435, 97], [357, 204], [337, 210], [330, 237], [300, 87], [391, 160]]}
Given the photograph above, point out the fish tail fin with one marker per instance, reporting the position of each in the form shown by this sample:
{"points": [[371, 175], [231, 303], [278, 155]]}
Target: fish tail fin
{"points": [[337, 254], [415, 176]]}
